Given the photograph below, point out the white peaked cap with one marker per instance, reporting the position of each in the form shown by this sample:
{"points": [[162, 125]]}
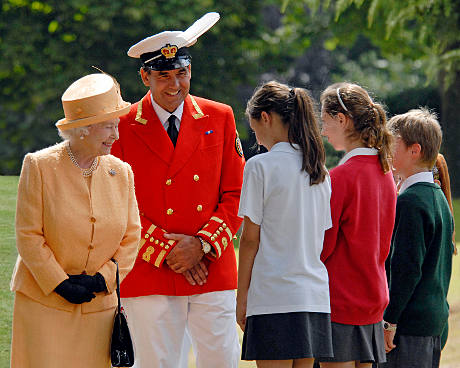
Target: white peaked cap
{"points": [[177, 38]]}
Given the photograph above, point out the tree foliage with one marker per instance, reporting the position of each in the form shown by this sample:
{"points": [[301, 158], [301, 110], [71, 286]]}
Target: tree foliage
{"points": [[48, 44], [425, 33]]}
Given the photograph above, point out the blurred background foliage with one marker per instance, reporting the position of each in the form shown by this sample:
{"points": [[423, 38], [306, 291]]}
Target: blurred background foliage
{"points": [[407, 53]]}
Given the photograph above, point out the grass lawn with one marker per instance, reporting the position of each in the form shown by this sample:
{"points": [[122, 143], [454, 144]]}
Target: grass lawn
{"points": [[8, 187]]}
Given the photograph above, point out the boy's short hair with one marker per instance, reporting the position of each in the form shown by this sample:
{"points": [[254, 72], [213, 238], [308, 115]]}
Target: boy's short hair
{"points": [[419, 126]]}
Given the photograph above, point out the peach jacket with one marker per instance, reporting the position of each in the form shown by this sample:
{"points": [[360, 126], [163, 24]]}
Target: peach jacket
{"points": [[64, 226]]}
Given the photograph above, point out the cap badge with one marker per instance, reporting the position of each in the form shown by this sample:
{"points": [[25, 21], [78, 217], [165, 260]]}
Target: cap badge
{"points": [[169, 51]]}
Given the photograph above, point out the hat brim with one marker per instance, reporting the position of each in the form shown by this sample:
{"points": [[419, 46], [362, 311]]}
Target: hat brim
{"points": [[64, 124]]}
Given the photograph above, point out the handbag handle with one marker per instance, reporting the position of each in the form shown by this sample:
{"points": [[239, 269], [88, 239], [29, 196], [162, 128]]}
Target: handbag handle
{"points": [[118, 286]]}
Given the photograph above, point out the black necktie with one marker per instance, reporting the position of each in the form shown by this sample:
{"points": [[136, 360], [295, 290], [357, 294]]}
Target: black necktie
{"points": [[172, 130]]}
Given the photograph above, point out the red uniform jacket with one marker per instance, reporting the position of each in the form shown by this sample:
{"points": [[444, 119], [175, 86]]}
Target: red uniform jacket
{"points": [[191, 189]]}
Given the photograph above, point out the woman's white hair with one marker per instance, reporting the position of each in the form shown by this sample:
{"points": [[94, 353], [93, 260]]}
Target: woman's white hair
{"points": [[73, 133]]}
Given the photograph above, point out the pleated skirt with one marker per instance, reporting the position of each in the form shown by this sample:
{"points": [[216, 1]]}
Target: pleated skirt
{"points": [[284, 336], [357, 343], [44, 337]]}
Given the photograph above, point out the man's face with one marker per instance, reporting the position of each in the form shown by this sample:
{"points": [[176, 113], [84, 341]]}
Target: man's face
{"points": [[169, 87]]}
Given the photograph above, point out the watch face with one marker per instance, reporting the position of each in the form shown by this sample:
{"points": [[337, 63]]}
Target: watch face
{"points": [[206, 248]]}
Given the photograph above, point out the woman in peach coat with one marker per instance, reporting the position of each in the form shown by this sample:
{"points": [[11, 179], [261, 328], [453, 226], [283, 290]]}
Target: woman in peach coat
{"points": [[76, 210]]}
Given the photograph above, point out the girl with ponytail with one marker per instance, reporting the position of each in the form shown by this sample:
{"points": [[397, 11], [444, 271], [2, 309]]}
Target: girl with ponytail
{"points": [[363, 207], [283, 294]]}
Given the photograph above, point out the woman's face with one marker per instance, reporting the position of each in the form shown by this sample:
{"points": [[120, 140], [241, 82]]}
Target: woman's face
{"points": [[101, 137], [333, 130]]}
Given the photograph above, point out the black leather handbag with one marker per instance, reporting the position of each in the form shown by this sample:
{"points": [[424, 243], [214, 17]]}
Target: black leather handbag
{"points": [[121, 346]]}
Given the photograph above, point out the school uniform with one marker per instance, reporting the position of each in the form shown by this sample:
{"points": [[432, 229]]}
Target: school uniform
{"points": [[355, 248], [68, 224], [288, 297], [419, 271]]}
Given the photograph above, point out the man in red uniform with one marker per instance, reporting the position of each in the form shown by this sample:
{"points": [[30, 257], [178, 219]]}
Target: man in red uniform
{"points": [[188, 168]]}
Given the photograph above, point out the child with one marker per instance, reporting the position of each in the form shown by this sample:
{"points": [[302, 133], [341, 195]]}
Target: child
{"points": [[283, 295], [421, 247], [362, 206]]}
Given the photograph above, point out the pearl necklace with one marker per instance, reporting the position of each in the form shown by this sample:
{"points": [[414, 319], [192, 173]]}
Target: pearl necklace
{"points": [[85, 172]]}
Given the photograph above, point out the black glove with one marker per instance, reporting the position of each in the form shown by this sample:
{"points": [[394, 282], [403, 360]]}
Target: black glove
{"points": [[74, 293], [94, 284]]}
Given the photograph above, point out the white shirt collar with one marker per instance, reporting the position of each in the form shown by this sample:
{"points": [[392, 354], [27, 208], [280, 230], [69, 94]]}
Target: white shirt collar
{"points": [[421, 177], [360, 151], [164, 115], [285, 147]]}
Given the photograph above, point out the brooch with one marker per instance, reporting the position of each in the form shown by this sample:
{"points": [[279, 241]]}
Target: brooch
{"points": [[112, 172]]}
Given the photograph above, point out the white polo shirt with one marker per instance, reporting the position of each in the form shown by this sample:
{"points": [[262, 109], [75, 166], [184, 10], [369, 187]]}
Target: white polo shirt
{"points": [[288, 275]]}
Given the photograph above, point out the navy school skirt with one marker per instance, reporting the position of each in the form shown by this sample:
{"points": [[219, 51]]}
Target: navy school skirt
{"points": [[357, 343], [283, 336]]}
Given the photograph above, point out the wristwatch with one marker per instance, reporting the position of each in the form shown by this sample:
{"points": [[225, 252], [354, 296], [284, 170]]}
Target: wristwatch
{"points": [[205, 246], [389, 326]]}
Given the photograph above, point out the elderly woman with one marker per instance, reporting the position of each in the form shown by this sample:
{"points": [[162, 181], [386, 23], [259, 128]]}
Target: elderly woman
{"points": [[76, 210]]}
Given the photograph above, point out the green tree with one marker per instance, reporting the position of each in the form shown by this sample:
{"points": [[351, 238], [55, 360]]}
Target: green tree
{"points": [[426, 33], [48, 44]]}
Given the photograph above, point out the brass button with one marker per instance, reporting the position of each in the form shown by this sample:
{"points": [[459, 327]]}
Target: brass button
{"points": [[224, 226], [170, 211], [91, 246], [217, 232], [167, 246], [151, 240], [92, 219], [162, 244], [221, 228], [196, 177], [146, 236], [213, 238], [199, 207], [157, 241], [168, 182]]}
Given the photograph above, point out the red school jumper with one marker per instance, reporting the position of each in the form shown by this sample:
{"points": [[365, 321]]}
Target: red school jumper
{"points": [[363, 205]]}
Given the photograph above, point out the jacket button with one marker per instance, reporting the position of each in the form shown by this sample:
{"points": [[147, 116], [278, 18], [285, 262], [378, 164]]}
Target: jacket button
{"points": [[93, 219], [169, 211], [199, 208], [91, 246], [168, 182], [196, 177]]}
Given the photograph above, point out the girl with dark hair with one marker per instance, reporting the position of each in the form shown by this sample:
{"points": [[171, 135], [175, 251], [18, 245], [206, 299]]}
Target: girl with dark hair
{"points": [[363, 206], [283, 293]]}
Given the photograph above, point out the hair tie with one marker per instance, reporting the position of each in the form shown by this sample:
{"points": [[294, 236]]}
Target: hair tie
{"points": [[340, 100]]}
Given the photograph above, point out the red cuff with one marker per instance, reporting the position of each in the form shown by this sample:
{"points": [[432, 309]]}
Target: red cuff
{"points": [[154, 247], [218, 234]]}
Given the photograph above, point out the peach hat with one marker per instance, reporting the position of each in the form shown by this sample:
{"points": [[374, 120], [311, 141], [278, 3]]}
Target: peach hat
{"points": [[92, 99]]}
